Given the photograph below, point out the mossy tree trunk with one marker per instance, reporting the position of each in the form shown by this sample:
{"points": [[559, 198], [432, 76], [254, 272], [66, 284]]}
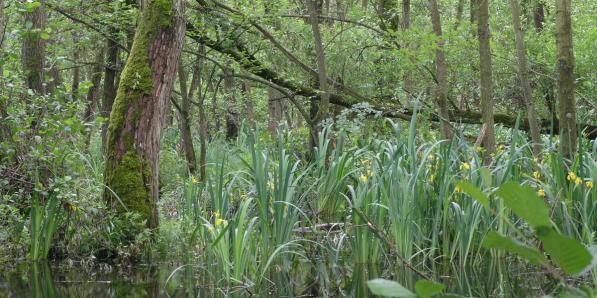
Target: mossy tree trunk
{"points": [[139, 110]]}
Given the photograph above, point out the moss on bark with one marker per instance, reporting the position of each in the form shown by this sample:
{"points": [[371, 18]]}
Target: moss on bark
{"points": [[128, 171]]}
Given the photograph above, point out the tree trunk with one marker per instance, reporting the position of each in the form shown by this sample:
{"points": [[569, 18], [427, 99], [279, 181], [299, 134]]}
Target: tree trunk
{"points": [[567, 108], [441, 92], [474, 11], [202, 120], [139, 110], [409, 84], [527, 92], [230, 98], [93, 92], [76, 70], [96, 80], [246, 91], [389, 14], [486, 80], [185, 120], [33, 51], [539, 16], [275, 109], [322, 110], [459, 12], [110, 87], [5, 133]]}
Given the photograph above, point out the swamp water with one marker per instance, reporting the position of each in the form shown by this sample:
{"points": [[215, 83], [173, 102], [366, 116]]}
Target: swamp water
{"points": [[50, 280]]}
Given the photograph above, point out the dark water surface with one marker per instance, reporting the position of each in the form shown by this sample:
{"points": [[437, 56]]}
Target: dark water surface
{"points": [[50, 280]]}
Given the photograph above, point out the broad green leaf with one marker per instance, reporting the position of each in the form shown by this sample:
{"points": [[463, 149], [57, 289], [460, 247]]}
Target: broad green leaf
{"points": [[388, 288], [474, 192], [44, 35], [525, 203], [569, 254], [428, 289], [497, 241]]}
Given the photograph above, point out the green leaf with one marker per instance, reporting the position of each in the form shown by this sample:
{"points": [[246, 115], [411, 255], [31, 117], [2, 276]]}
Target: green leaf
{"points": [[486, 176], [525, 203], [474, 193], [428, 289], [497, 241], [569, 254], [388, 288], [44, 35], [32, 6]]}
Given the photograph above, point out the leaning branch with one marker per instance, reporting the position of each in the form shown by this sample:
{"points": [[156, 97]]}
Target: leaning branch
{"points": [[249, 62]]}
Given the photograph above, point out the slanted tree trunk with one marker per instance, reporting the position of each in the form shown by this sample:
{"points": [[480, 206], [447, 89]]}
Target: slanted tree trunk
{"points": [[109, 92], [185, 119], [33, 50], [567, 108], [486, 80], [441, 91], [525, 83], [139, 110]]}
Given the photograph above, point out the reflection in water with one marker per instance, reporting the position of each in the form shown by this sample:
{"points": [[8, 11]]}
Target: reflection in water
{"points": [[42, 280], [316, 279]]}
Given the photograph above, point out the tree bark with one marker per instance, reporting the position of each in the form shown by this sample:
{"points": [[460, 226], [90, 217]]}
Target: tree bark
{"points": [[275, 109], [76, 70], [33, 51], [110, 87], [441, 91], [139, 110], [246, 91], [459, 12], [539, 16], [486, 80], [5, 132], [93, 92], [565, 65], [527, 92], [202, 119], [230, 99], [322, 110], [185, 120]]}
